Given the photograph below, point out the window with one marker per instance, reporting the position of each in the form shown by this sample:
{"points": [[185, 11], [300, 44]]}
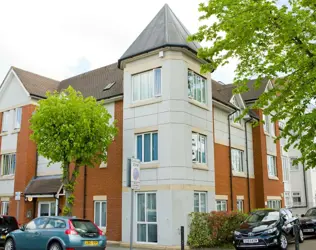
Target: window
{"points": [[221, 205], [147, 147], [240, 205], [146, 85], [197, 87], [100, 213], [275, 204], [5, 121], [266, 125], [18, 117], [47, 208], [293, 166], [146, 217], [285, 168], [38, 223], [297, 200], [287, 199], [200, 202], [198, 148], [8, 162], [5, 208], [235, 115], [272, 171], [56, 223], [238, 160]]}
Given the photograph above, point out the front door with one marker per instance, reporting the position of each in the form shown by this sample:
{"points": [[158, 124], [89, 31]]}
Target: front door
{"points": [[46, 208]]}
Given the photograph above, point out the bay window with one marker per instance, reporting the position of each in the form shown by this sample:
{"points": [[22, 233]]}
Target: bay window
{"points": [[198, 148], [8, 162], [147, 147], [197, 87]]}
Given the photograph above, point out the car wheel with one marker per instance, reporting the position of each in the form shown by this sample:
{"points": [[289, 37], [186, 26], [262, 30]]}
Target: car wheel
{"points": [[283, 242], [54, 246], [301, 236], [9, 245]]}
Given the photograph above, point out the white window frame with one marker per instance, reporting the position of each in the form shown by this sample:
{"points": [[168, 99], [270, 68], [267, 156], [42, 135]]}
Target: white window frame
{"points": [[101, 213], [194, 88], [240, 205], [272, 170], [4, 208], [198, 149], [266, 125], [5, 121], [200, 193], [285, 169], [143, 147], [17, 118], [155, 92], [10, 167], [287, 199], [239, 155], [274, 204], [223, 204], [49, 203], [146, 222], [293, 167], [237, 113], [296, 194]]}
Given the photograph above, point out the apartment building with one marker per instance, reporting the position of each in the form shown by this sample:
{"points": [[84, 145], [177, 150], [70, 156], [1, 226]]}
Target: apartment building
{"points": [[181, 125]]}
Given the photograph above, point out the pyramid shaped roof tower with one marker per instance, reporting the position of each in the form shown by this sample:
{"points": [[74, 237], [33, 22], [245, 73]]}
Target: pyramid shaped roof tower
{"points": [[165, 30]]}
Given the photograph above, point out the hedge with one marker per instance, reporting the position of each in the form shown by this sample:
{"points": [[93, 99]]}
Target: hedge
{"points": [[213, 229]]}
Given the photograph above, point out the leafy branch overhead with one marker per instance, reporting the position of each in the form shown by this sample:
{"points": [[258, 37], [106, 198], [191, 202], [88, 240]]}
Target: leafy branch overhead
{"points": [[271, 41], [71, 129]]}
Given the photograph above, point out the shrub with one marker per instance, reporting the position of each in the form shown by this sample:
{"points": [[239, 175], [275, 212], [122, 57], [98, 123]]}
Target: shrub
{"points": [[213, 229]]}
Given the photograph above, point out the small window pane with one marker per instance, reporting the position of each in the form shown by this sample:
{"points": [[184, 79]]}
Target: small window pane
{"points": [[203, 202], [141, 232], [97, 214], [196, 202], [151, 208], [155, 146], [157, 82], [140, 147], [140, 207], [152, 233], [147, 153], [103, 214], [136, 87], [190, 83], [194, 147]]}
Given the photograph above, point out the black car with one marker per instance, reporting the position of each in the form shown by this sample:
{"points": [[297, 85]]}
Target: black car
{"points": [[308, 222], [7, 225], [268, 228]]}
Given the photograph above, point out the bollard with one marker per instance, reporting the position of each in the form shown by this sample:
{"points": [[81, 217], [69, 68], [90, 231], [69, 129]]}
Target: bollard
{"points": [[297, 235], [182, 237]]}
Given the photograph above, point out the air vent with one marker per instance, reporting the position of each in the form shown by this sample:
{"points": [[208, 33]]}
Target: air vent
{"points": [[107, 87]]}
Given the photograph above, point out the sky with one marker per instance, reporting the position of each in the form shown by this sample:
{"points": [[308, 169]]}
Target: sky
{"points": [[60, 39]]}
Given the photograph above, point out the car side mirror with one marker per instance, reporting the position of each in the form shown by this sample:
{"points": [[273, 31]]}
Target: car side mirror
{"points": [[22, 228], [302, 215]]}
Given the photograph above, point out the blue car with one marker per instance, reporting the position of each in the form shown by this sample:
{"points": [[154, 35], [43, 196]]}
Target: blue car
{"points": [[56, 233]]}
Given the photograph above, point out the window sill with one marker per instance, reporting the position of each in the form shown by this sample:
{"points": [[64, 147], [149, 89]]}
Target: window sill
{"points": [[150, 165], [200, 166], [4, 133], [7, 177], [103, 165], [15, 131], [146, 102], [198, 104], [242, 174], [273, 178]]}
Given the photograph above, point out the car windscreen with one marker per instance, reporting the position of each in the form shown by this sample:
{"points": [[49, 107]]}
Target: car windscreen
{"points": [[263, 216], [311, 212], [8, 222], [84, 226]]}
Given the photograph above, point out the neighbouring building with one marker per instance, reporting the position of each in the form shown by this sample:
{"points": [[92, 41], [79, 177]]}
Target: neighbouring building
{"points": [[195, 155]]}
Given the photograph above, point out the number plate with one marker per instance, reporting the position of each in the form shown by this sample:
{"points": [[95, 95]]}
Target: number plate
{"points": [[3, 237], [249, 241], [308, 230], [91, 243]]}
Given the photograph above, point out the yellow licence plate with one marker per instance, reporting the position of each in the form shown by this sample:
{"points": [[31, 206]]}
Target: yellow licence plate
{"points": [[3, 236], [91, 243]]}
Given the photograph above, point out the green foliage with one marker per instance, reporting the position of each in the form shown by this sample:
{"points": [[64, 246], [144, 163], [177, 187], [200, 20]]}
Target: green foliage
{"points": [[71, 129], [214, 229], [270, 41]]}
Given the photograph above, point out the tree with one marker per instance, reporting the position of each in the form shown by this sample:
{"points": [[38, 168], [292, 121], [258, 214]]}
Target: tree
{"points": [[72, 130], [274, 41]]}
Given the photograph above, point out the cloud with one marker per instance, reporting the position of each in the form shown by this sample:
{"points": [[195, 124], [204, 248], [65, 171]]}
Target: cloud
{"points": [[82, 65]]}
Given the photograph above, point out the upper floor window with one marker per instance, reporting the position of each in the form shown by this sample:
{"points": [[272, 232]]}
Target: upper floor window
{"points": [[18, 118], [238, 160], [285, 168], [197, 87], [293, 166], [198, 148], [146, 85], [235, 115], [269, 127], [5, 121], [147, 147], [272, 170], [8, 162], [200, 202]]}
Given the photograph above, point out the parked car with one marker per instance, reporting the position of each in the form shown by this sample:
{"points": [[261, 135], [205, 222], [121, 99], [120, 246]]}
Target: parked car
{"points": [[267, 228], [56, 233], [308, 222], [7, 225]]}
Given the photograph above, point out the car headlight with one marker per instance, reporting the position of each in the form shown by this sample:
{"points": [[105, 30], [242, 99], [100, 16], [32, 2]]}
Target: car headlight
{"points": [[271, 230], [236, 233]]}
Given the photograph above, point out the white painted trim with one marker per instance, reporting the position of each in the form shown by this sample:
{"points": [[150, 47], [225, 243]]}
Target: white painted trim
{"points": [[47, 203], [40, 196], [112, 99], [99, 197], [222, 106], [19, 106], [221, 197], [28, 94], [5, 199], [274, 198]]}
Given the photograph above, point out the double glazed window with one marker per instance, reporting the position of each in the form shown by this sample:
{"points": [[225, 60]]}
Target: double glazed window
{"points": [[197, 87], [200, 202], [147, 147], [268, 126], [240, 205], [285, 168], [235, 115], [7, 120], [8, 162], [198, 148], [297, 200], [4, 208], [47, 208], [287, 199], [272, 170], [238, 160], [146, 85], [18, 117], [146, 217], [221, 205], [275, 204], [100, 213]]}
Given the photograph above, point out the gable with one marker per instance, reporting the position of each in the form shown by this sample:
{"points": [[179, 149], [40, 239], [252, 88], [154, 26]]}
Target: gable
{"points": [[237, 101], [12, 92]]}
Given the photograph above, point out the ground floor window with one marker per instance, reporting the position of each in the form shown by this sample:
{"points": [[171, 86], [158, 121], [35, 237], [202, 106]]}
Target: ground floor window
{"points": [[200, 202], [46, 208], [240, 205], [287, 199], [221, 205], [100, 213], [297, 199], [146, 217], [275, 204], [4, 208]]}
